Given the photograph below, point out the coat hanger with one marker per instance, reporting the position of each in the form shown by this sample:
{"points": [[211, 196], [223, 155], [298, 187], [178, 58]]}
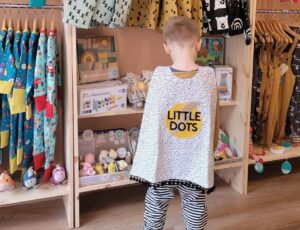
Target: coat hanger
{"points": [[265, 32], [18, 21], [261, 32], [270, 30], [35, 25], [287, 29], [26, 21], [43, 28], [52, 20], [4, 20], [10, 20], [280, 30]]}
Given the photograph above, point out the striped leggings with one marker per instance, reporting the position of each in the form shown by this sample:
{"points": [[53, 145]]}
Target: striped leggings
{"points": [[193, 207]]}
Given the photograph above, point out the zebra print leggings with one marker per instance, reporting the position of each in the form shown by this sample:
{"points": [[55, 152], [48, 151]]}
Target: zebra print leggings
{"points": [[193, 207]]}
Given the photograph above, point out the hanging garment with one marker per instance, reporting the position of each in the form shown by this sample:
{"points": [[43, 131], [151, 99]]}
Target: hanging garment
{"points": [[256, 87], [79, 13], [168, 9], [7, 75], [18, 95], [51, 118], [288, 83], [29, 118], [2, 67], [177, 132], [294, 107], [121, 11], [14, 117], [104, 11], [40, 102], [197, 14], [230, 17], [8, 70]]}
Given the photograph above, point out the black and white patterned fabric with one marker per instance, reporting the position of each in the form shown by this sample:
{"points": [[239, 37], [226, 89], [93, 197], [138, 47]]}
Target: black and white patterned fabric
{"points": [[294, 108], [104, 11], [89, 13], [229, 17], [79, 13], [194, 208]]}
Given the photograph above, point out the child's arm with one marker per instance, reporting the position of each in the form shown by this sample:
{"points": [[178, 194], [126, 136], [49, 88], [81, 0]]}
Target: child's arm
{"points": [[217, 125]]}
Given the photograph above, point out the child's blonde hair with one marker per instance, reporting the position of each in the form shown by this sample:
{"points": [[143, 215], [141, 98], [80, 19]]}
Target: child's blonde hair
{"points": [[181, 29]]}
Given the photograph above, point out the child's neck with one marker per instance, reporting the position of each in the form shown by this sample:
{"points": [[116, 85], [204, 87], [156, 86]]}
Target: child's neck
{"points": [[184, 65]]}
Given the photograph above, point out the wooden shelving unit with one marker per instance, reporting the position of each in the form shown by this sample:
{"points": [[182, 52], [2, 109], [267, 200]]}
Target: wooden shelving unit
{"points": [[64, 147], [45, 191], [129, 111], [235, 115], [288, 154]]}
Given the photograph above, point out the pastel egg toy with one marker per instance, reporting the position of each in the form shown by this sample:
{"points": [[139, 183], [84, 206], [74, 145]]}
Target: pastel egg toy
{"points": [[30, 179], [112, 168], [122, 165], [6, 182], [89, 158], [99, 169], [103, 154], [122, 152], [113, 154]]}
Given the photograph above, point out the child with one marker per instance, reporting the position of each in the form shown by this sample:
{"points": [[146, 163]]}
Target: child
{"points": [[176, 143]]}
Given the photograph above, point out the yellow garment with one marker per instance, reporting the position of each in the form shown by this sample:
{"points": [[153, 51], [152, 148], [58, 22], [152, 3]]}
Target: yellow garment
{"points": [[144, 13], [4, 137], [17, 102], [19, 156], [286, 93], [6, 87]]}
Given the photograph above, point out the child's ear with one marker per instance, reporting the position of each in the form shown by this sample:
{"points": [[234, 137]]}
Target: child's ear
{"points": [[198, 45], [167, 49]]}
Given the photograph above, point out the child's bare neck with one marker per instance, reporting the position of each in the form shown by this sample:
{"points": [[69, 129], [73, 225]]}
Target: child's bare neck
{"points": [[185, 65]]}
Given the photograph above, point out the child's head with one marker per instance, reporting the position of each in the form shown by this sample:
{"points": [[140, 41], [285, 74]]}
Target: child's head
{"points": [[181, 38]]}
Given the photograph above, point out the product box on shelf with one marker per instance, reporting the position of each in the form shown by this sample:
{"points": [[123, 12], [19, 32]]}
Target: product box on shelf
{"points": [[224, 81], [101, 97], [97, 59], [95, 142]]}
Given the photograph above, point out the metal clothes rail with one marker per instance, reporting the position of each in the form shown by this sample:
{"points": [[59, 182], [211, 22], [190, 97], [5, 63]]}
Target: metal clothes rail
{"points": [[266, 11], [26, 6]]}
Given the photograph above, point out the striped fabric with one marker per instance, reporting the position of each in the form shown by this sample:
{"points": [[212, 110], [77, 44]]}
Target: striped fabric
{"points": [[193, 207]]}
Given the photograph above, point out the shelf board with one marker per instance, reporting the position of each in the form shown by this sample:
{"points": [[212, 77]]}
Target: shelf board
{"points": [[106, 185], [229, 165], [127, 182], [43, 192], [126, 111], [129, 111], [288, 154], [228, 103]]}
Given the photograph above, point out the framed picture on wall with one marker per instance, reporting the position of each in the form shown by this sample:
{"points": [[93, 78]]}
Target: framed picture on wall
{"points": [[97, 59], [212, 51]]}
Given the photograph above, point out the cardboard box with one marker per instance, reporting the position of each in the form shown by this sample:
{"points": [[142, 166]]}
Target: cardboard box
{"points": [[224, 82], [101, 97]]}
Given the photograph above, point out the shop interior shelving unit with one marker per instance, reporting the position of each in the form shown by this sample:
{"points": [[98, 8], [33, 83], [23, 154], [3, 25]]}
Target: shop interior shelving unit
{"points": [[284, 10], [141, 49], [64, 149]]}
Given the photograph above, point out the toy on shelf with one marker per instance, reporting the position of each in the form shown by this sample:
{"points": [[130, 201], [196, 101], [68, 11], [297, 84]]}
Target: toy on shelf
{"points": [[226, 149], [30, 179], [122, 165], [256, 153], [99, 168], [6, 182], [112, 168], [89, 158], [137, 88], [133, 137], [86, 170], [58, 175]]}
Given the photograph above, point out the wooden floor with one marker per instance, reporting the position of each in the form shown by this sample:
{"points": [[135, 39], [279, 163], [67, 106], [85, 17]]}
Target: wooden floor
{"points": [[273, 203]]}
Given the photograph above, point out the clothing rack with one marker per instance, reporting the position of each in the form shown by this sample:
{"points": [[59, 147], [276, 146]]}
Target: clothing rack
{"points": [[267, 11], [26, 6]]}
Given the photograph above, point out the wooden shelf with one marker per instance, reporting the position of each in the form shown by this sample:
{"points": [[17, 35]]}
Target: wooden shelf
{"points": [[129, 182], [228, 103], [126, 111], [43, 192], [229, 165], [129, 111], [106, 185], [269, 157]]}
